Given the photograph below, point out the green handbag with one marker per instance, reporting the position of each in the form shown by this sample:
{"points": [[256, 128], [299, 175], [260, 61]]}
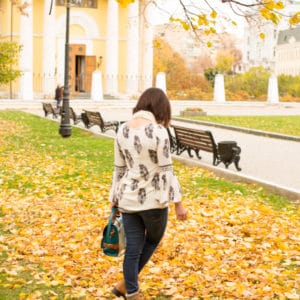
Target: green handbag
{"points": [[113, 242]]}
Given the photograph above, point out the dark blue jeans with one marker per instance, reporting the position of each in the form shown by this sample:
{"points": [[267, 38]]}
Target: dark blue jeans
{"points": [[144, 230]]}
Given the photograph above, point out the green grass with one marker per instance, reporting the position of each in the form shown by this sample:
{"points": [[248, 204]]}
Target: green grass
{"points": [[289, 125], [45, 139]]}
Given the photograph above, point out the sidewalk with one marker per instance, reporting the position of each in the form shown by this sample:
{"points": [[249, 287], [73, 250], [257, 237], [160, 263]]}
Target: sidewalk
{"points": [[271, 162]]}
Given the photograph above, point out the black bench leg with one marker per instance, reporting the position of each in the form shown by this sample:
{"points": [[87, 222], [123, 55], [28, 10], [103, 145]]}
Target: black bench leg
{"points": [[197, 154], [216, 160], [190, 152], [236, 157], [236, 163], [116, 126]]}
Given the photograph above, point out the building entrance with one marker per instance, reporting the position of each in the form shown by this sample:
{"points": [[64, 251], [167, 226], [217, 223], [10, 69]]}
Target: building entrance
{"points": [[81, 68]]}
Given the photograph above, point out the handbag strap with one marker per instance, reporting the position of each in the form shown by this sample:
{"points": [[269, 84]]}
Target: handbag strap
{"points": [[110, 220]]}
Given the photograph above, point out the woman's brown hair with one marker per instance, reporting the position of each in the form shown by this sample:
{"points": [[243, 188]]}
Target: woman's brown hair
{"points": [[157, 102]]}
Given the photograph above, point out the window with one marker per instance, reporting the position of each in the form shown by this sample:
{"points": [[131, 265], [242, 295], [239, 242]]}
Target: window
{"points": [[79, 3]]}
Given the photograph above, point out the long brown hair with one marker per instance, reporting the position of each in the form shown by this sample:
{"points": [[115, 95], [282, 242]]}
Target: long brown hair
{"points": [[157, 102]]}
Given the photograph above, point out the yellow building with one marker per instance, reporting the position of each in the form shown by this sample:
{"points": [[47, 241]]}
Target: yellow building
{"points": [[103, 37]]}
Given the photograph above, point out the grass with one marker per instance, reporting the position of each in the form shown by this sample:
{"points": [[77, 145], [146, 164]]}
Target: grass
{"points": [[83, 161], [45, 139], [289, 125]]}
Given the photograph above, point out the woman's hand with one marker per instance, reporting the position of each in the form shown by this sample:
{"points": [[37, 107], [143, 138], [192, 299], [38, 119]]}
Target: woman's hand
{"points": [[181, 212]]}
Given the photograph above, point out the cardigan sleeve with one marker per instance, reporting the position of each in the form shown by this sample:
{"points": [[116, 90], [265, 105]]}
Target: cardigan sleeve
{"points": [[119, 171], [170, 190]]}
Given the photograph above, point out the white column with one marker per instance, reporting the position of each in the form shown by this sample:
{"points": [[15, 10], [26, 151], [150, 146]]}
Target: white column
{"points": [[96, 90], [146, 36], [49, 46], [26, 55], [133, 49], [112, 48], [219, 90], [161, 81], [273, 96]]}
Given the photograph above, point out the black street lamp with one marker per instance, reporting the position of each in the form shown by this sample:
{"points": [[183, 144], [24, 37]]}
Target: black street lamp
{"points": [[65, 128]]}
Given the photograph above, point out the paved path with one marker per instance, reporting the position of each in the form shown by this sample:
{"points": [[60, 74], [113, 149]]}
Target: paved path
{"points": [[271, 161]]}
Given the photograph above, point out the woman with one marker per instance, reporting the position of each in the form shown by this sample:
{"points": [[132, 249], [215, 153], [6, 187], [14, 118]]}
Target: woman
{"points": [[143, 185], [59, 95]]}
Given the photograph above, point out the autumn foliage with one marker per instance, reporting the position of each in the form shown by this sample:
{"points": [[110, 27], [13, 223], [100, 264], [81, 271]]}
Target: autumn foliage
{"points": [[181, 82], [54, 207]]}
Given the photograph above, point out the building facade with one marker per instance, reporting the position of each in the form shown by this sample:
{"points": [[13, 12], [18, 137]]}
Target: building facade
{"points": [[103, 36], [262, 52], [257, 51], [288, 52]]}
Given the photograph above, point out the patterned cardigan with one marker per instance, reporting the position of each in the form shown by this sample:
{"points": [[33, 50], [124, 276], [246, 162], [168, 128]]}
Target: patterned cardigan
{"points": [[143, 176]]}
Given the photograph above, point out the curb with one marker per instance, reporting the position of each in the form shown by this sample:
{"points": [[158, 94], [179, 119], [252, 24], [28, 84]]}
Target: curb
{"points": [[242, 129]]}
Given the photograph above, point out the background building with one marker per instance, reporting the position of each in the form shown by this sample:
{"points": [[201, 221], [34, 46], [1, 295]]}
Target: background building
{"points": [[103, 36], [262, 52], [288, 52]]}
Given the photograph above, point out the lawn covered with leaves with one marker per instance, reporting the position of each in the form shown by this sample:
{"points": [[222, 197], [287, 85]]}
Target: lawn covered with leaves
{"points": [[289, 125], [238, 243]]}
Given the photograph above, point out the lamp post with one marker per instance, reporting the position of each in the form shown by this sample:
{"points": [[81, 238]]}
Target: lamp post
{"points": [[65, 129]]}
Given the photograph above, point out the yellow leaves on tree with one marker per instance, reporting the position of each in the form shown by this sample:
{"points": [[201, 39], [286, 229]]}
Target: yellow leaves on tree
{"points": [[270, 15], [295, 19], [125, 3], [213, 14], [262, 35]]}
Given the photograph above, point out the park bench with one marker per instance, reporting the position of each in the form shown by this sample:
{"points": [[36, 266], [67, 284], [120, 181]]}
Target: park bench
{"points": [[72, 115], [91, 118], [76, 118], [50, 110], [188, 139]]}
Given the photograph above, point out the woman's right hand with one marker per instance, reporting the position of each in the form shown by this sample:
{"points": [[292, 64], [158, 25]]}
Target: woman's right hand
{"points": [[113, 204]]}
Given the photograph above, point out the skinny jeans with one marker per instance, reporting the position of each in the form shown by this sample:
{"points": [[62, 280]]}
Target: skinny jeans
{"points": [[143, 230]]}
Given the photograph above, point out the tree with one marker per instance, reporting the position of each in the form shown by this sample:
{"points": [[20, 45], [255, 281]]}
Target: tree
{"points": [[181, 83], [289, 85], [203, 15], [202, 63], [168, 61], [210, 74], [224, 62], [228, 46], [256, 81], [9, 57]]}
